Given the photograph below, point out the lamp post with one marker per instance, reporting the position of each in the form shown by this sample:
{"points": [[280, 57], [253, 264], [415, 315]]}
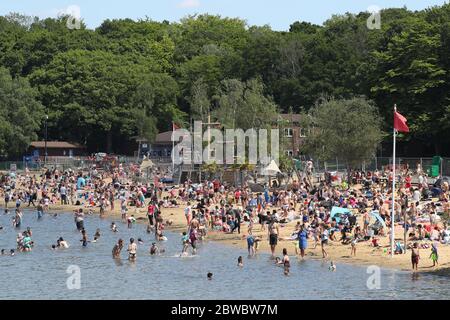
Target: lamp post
{"points": [[45, 155]]}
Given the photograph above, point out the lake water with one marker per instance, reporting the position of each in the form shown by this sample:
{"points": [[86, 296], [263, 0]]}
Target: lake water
{"points": [[42, 273]]}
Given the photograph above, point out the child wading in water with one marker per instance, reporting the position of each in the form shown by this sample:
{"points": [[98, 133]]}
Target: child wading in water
{"points": [[415, 256], [285, 262]]}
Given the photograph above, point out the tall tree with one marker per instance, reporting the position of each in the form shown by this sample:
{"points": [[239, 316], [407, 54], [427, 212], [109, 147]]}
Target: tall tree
{"points": [[21, 115]]}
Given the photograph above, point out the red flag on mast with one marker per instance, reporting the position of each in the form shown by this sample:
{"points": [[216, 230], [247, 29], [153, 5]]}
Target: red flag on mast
{"points": [[400, 122]]}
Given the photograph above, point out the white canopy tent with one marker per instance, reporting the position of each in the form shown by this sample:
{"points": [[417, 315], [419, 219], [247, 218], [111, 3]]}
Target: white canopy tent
{"points": [[271, 170]]}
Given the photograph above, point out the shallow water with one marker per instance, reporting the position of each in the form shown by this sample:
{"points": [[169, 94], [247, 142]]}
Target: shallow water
{"points": [[42, 273]]}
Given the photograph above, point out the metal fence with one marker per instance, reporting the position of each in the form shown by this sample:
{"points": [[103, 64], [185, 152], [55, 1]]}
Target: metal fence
{"points": [[380, 163]]}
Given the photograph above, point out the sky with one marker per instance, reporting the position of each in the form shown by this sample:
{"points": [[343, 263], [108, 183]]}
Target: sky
{"points": [[279, 14]]}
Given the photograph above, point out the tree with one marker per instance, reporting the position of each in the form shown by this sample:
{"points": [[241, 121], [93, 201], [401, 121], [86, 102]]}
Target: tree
{"points": [[349, 129], [98, 86], [243, 105], [21, 115]]}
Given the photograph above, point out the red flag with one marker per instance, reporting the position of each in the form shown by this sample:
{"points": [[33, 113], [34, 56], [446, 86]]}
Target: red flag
{"points": [[175, 127], [400, 122]]}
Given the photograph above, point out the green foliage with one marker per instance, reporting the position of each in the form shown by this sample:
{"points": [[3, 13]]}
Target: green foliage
{"points": [[133, 78], [21, 115], [347, 129]]}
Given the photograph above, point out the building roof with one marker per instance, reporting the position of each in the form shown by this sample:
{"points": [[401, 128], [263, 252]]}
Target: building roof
{"points": [[291, 117], [164, 138], [56, 145]]}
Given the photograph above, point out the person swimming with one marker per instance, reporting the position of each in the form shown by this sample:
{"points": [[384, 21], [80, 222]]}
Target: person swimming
{"points": [[209, 275], [12, 252], [240, 262], [140, 241], [61, 243], [96, 235]]}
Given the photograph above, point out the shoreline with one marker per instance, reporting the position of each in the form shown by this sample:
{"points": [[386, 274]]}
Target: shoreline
{"points": [[366, 255]]}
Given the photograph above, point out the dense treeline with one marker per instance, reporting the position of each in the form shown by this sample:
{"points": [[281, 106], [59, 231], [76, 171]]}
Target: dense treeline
{"points": [[126, 78]]}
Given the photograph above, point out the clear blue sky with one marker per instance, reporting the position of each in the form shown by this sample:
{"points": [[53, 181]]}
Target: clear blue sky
{"points": [[277, 13]]}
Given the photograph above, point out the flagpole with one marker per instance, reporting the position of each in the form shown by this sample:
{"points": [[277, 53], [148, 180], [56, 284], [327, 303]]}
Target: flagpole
{"points": [[393, 193], [173, 147]]}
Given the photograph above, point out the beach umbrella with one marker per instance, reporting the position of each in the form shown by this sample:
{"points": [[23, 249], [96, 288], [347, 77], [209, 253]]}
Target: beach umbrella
{"points": [[337, 212], [377, 216]]}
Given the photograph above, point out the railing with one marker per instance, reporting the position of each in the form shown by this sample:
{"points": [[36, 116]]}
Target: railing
{"points": [[380, 163]]}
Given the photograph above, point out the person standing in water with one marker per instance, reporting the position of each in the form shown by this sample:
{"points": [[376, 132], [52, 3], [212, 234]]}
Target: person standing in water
{"points": [[285, 262], [415, 256], [117, 249], [18, 218], [132, 250], [40, 210], [274, 231], [84, 239], [79, 219]]}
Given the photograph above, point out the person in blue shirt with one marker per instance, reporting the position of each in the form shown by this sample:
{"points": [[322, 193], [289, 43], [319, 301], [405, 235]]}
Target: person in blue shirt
{"points": [[81, 183], [250, 244], [302, 240]]}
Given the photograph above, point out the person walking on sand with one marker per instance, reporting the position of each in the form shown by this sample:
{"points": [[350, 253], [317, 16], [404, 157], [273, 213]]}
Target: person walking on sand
{"points": [[274, 231], [324, 241], [353, 244], [302, 240], [434, 254], [415, 256]]}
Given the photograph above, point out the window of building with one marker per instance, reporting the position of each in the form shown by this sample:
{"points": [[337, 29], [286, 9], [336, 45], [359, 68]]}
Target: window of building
{"points": [[288, 132], [302, 132]]}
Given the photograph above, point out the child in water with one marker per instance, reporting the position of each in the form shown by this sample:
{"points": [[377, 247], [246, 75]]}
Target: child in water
{"points": [[332, 266], [96, 235], [131, 219], [154, 249], [185, 241], [240, 262], [114, 227]]}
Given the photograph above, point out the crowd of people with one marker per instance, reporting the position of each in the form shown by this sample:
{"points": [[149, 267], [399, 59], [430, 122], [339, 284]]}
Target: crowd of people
{"points": [[420, 209]]}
